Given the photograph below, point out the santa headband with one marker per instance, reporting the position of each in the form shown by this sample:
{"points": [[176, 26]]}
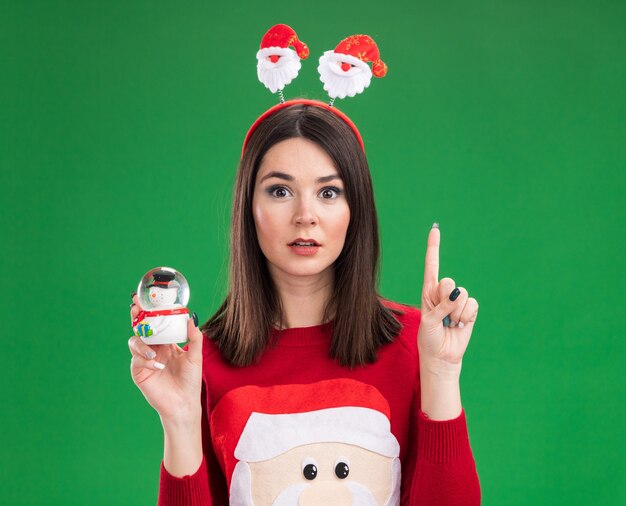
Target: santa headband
{"points": [[344, 71]]}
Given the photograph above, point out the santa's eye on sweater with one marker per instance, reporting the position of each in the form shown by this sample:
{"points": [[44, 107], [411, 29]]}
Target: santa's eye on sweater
{"points": [[310, 471], [342, 470], [309, 468]]}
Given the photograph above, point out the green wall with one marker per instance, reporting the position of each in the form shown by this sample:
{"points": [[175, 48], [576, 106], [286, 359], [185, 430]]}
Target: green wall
{"points": [[120, 129]]}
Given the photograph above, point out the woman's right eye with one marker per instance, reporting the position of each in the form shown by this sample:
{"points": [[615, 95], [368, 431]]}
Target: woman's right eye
{"points": [[278, 191]]}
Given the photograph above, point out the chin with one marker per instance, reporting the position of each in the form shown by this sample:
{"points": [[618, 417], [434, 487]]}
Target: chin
{"points": [[301, 270]]}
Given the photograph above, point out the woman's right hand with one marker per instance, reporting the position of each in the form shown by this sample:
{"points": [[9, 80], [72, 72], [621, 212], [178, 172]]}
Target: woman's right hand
{"points": [[169, 377]]}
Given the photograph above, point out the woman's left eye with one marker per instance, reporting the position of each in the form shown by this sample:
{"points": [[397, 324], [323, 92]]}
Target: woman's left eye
{"points": [[330, 193]]}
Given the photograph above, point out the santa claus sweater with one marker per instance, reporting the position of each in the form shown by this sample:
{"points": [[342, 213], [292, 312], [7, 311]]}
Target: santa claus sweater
{"points": [[297, 422]]}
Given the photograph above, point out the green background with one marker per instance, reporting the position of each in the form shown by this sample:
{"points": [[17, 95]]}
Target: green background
{"points": [[121, 125]]}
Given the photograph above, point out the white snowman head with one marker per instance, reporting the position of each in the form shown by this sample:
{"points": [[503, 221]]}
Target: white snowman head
{"points": [[163, 291], [163, 297]]}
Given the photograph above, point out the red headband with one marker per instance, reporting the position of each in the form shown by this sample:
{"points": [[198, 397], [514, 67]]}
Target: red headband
{"points": [[301, 101]]}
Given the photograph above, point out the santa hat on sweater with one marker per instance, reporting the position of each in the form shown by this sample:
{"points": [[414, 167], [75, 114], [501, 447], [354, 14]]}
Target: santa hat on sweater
{"points": [[345, 70], [253, 424]]}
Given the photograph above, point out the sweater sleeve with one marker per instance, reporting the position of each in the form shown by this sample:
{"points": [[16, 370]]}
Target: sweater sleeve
{"points": [[445, 471], [188, 490], [440, 466], [207, 486]]}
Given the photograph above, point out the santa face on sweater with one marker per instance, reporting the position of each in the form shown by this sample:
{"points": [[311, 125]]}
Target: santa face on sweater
{"points": [[328, 442], [323, 473]]}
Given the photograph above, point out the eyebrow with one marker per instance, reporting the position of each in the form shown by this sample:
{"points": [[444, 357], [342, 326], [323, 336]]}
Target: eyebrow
{"points": [[287, 177]]}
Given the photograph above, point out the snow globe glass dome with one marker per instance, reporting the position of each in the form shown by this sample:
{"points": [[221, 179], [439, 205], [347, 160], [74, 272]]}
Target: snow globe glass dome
{"points": [[163, 295], [163, 286]]}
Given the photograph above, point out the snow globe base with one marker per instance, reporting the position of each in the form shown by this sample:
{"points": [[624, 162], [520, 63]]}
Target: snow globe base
{"points": [[176, 331]]}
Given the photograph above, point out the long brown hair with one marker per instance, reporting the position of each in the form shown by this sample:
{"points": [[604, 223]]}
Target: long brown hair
{"points": [[241, 326]]}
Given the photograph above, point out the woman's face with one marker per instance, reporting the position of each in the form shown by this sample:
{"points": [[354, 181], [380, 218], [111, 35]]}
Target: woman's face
{"points": [[300, 210]]}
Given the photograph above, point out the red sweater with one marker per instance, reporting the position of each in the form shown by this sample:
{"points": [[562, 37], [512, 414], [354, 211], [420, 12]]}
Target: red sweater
{"points": [[434, 458]]}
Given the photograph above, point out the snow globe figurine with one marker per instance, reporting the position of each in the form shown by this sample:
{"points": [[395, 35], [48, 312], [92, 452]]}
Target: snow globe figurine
{"points": [[163, 294]]}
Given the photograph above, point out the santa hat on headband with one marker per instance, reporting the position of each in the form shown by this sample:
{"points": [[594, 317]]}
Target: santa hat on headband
{"points": [[253, 424], [277, 65], [345, 70]]}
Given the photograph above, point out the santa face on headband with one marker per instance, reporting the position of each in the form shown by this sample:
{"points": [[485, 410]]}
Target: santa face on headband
{"points": [[277, 67], [343, 75]]}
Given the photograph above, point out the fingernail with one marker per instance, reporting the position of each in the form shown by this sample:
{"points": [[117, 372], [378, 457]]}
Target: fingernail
{"points": [[435, 225], [150, 354], [461, 325], [132, 304], [455, 293], [195, 318], [159, 365], [132, 294], [446, 321], [452, 323]]}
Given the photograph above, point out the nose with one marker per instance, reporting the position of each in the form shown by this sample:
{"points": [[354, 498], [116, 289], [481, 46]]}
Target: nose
{"points": [[326, 492], [305, 213]]}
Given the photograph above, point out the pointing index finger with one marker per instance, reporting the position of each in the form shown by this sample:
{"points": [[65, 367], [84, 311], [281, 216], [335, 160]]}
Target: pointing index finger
{"points": [[431, 267]]}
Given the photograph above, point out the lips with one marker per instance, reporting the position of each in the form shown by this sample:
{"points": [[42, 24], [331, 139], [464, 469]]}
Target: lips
{"points": [[304, 242]]}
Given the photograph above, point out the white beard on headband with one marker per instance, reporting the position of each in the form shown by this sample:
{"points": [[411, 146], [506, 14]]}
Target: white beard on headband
{"points": [[276, 75], [341, 83]]}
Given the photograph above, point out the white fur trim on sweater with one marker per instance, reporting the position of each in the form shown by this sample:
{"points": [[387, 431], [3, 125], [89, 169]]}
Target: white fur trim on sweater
{"points": [[266, 436]]}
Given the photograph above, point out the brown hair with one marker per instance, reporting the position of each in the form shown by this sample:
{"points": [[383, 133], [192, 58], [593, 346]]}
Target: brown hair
{"points": [[241, 326]]}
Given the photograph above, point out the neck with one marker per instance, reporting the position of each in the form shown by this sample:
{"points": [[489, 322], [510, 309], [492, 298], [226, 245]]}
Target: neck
{"points": [[303, 299]]}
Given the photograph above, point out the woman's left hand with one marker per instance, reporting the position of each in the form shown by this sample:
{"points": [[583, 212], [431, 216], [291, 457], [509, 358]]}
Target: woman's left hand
{"points": [[441, 346]]}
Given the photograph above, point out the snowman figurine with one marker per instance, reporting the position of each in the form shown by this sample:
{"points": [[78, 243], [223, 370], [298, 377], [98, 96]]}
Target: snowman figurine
{"points": [[163, 319]]}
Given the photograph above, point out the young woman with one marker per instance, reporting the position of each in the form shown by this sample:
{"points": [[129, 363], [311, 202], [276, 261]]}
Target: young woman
{"points": [[306, 387]]}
